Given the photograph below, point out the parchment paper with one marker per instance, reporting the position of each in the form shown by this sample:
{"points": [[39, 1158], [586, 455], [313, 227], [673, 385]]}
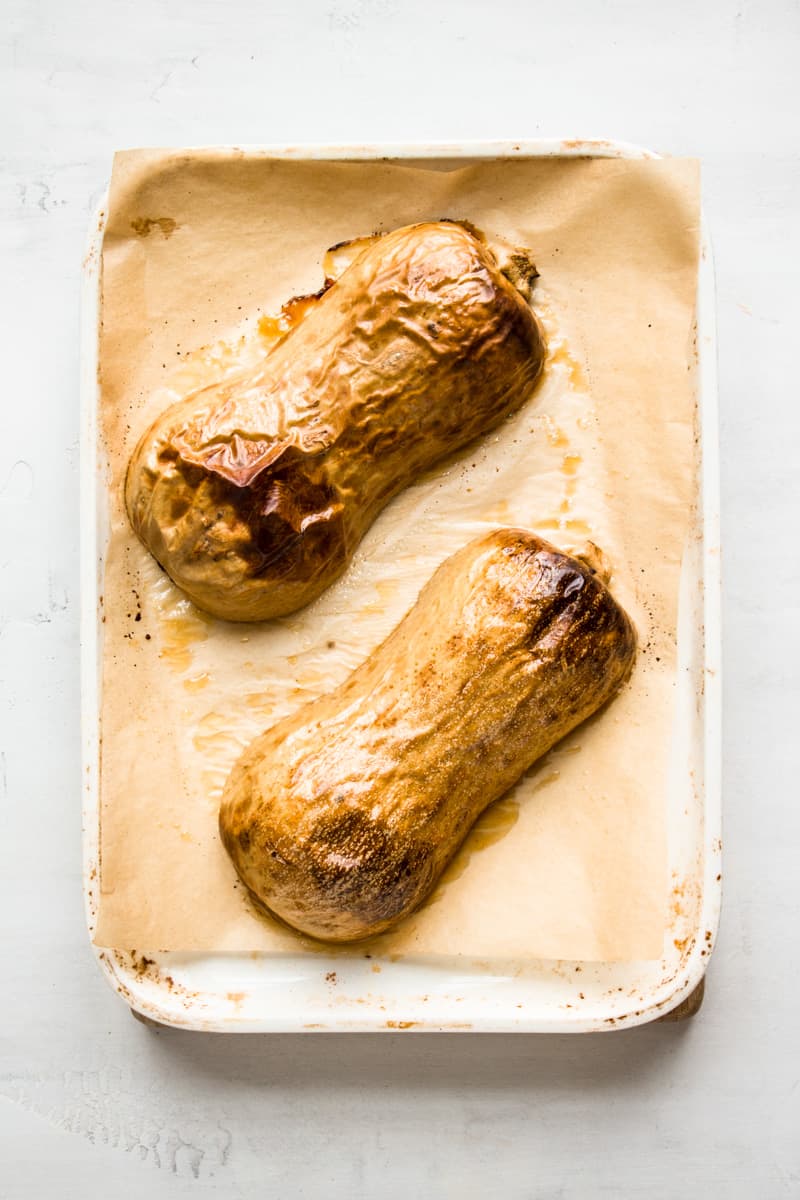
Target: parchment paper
{"points": [[572, 864]]}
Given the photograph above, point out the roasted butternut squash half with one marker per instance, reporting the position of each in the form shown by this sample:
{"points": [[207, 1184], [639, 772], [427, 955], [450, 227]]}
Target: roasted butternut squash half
{"points": [[341, 818], [254, 494]]}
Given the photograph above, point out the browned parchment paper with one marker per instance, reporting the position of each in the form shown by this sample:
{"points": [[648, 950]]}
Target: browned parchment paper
{"points": [[572, 864]]}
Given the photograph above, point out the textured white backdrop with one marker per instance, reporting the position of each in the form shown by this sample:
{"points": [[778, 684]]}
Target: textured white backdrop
{"points": [[93, 1104]]}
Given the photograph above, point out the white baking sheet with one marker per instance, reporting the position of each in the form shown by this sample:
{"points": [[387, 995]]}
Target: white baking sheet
{"points": [[252, 992]]}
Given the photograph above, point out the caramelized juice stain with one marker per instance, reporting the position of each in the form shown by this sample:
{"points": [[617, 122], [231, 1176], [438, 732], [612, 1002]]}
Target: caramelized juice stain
{"points": [[575, 372], [555, 434], [558, 524], [197, 682], [273, 328], [180, 630], [570, 465], [571, 461]]}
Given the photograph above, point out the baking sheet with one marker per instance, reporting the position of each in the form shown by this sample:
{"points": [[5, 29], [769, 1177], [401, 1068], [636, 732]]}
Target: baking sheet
{"points": [[581, 870]]}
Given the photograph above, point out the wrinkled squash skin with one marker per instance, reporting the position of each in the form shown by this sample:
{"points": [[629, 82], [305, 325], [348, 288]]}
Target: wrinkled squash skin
{"points": [[341, 818], [254, 494]]}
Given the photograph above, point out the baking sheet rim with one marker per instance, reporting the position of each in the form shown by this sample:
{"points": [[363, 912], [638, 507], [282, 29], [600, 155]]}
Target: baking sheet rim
{"points": [[149, 997]]}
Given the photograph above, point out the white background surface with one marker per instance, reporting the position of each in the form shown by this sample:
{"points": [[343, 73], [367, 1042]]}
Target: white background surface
{"points": [[92, 1103]]}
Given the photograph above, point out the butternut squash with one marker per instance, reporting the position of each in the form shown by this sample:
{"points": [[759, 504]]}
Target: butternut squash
{"points": [[341, 818], [254, 494]]}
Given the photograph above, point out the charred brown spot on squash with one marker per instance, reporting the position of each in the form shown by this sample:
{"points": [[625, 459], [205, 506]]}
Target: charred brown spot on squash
{"points": [[284, 523]]}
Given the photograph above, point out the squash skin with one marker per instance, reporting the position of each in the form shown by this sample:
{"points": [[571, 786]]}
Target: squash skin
{"points": [[254, 494], [341, 818]]}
